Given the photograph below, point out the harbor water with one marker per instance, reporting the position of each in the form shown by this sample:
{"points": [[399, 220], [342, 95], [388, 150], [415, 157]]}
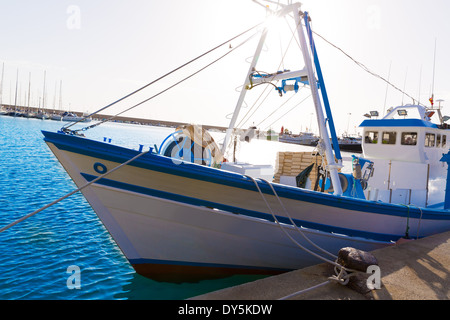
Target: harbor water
{"points": [[36, 254]]}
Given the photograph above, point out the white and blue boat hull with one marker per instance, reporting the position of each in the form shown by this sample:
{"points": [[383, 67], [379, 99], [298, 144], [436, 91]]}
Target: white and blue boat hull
{"points": [[183, 221]]}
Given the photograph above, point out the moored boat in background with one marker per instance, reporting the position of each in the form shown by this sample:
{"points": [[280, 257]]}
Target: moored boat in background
{"points": [[350, 144], [303, 138], [72, 117]]}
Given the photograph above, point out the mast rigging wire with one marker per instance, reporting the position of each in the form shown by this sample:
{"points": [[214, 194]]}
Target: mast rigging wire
{"points": [[282, 105], [293, 37], [298, 104], [167, 89], [365, 68], [66, 127], [242, 122]]}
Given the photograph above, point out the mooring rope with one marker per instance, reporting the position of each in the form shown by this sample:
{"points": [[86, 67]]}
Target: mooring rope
{"points": [[164, 90], [343, 274], [293, 223], [305, 290], [73, 192], [408, 220], [295, 226]]}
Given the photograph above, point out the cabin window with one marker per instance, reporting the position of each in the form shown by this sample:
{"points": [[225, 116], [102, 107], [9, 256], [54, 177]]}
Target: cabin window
{"points": [[438, 141], [430, 140], [389, 137], [371, 137], [409, 138], [444, 141]]}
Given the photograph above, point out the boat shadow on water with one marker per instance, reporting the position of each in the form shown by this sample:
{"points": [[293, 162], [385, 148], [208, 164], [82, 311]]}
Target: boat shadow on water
{"points": [[144, 288]]}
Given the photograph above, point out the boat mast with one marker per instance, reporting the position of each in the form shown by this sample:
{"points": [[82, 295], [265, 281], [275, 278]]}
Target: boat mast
{"points": [[43, 93], [323, 90], [1, 86], [313, 83], [60, 96], [332, 165], [286, 9], [15, 99], [29, 92], [244, 91]]}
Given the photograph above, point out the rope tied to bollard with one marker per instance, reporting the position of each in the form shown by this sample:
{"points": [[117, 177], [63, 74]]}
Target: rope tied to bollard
{"points": [[342, 273]]}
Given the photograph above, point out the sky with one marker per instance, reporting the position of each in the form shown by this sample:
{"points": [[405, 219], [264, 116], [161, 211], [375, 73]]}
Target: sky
{"points": [[99, 51]]}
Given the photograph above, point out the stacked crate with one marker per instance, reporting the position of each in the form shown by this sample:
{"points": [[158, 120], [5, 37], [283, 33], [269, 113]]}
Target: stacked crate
{"points": [[291, 164]]}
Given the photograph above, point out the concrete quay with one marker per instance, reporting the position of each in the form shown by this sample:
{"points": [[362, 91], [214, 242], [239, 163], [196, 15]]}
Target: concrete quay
{"points": [[411, 270]]}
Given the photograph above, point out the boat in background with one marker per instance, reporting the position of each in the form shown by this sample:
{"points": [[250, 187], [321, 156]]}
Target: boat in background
{"points": [[72, 117], [350, 144], [271, 135], [186, 211], [56, 117], [253, 132], [303, 138], [42, 115], [14, 113]]}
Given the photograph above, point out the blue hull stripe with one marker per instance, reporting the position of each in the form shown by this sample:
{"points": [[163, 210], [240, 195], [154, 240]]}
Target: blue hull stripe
{"points": [[163, 164], [237, 210], [198, 264]]}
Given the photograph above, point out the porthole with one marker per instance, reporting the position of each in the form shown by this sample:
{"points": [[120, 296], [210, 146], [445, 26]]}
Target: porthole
{"points": [[100, 168]]}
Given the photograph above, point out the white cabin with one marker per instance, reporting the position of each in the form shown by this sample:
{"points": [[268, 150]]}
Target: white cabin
{"points": [[406, 148]]}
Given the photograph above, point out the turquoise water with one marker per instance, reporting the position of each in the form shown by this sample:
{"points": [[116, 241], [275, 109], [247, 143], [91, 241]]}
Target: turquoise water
{"points": [[36, 253]]}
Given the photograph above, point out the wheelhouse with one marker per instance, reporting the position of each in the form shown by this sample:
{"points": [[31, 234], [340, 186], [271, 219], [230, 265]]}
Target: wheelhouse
{"points": [[406, 153]]}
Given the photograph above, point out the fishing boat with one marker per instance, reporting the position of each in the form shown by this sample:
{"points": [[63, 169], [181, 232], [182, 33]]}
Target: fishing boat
{"points": [[270, 135], [303, 138], [42, 115], [350, 144], [71, 117], [56, 117], [14, 114], [28, 114], [253, 132], [186, 211]]}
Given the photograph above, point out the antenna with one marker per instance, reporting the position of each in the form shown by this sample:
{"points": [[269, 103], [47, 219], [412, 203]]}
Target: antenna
{"points": [[60, 96], [434, 73], [404, 85], [29, 91], [420, 82], [387, 87]]}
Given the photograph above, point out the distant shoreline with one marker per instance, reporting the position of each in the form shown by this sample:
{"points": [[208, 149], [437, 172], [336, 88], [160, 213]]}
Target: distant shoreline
{"points": [[120, 119]]}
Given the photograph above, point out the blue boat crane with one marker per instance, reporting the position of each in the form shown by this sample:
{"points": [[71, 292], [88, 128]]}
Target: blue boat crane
{"points": [[323, 90]]}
